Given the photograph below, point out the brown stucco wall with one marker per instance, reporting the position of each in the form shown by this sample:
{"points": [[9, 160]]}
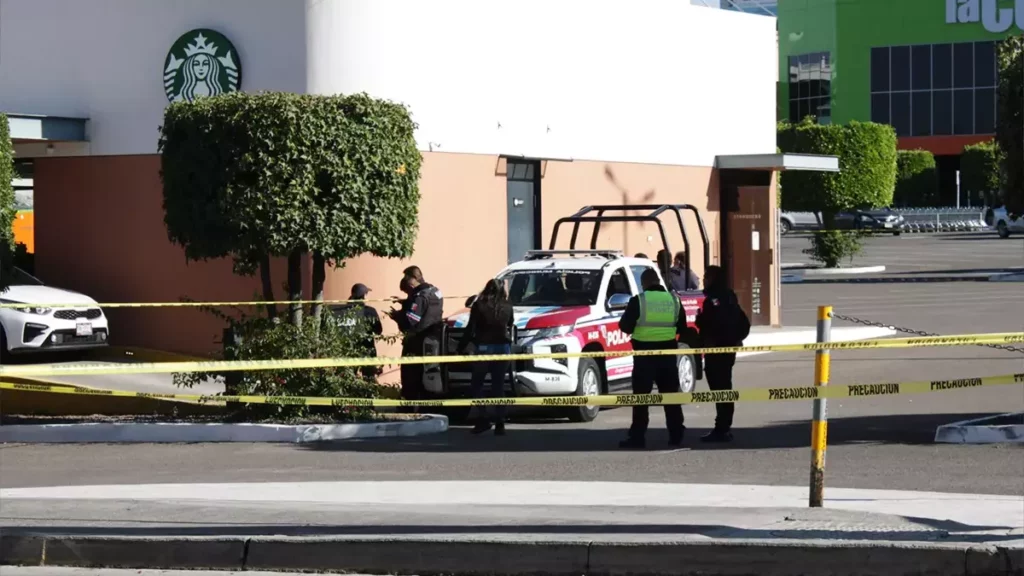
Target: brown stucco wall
{"points": [[100, 230]]}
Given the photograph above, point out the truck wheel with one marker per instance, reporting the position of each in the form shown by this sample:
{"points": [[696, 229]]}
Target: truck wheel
{"points": [[1002, 229], [687, 370], [588, 383]]}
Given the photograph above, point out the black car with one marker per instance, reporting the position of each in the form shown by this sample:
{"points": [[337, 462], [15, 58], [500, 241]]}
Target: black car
{"points": [[876, 219]]}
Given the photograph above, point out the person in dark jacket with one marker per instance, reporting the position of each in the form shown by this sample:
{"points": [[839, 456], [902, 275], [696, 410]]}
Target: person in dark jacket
{"points": [[420, 320], [682, 278], [349, 315], [490, 331], [715, 323], [655, 319]]}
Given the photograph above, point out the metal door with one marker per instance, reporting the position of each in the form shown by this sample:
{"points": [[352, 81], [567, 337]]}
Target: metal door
{"points": [[750, 254], [521, 207]]}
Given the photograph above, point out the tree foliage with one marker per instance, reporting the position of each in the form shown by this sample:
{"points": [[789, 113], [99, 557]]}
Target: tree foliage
{"points": [[1010, 128], [980, 166], [867, 163], [917, 182], [7, 208], [259, 176]]}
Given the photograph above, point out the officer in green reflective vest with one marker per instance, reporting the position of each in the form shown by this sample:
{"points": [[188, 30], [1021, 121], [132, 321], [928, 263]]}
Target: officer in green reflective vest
{"points": [[654, 318]]}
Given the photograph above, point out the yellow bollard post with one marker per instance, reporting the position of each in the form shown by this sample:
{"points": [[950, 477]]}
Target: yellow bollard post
{"points": [[819, 426]]}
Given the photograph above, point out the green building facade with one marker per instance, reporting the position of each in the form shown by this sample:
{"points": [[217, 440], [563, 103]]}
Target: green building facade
{"points": [[927, 67]]}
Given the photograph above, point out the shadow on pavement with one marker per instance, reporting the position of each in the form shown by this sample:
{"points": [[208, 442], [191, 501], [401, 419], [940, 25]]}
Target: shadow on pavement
{"points": [[915, 429], [939, 271], [984, 235], [926, 533]]}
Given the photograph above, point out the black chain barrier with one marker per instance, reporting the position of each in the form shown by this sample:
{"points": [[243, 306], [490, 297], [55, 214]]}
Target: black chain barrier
{"points": [[916, 332]]}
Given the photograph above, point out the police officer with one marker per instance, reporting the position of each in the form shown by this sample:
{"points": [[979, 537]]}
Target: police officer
{"points": [[682, 278], [654, 318], [349, 315], [722, 323], [419, 319]]}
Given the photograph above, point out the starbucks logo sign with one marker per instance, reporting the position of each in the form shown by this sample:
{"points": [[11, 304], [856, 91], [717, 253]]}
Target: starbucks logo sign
{"points": [[201, 63]]}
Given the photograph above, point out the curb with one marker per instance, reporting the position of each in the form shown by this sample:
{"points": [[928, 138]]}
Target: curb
{"points": [[1012, 277], [794, 279], [973, 432], [191, 433], [812, 272], [455, 557]]}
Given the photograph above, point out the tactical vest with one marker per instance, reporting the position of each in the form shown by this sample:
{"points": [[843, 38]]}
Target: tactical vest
{"points": [[659, 315]]}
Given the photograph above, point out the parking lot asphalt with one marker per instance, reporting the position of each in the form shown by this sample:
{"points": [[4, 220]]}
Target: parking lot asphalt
{"points": [[925, 253], [883, 443]]}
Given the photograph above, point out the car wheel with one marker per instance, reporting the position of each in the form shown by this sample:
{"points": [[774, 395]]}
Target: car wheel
{"points": [[687, 371], [1002, 229], [785, 227], [588, 383]]}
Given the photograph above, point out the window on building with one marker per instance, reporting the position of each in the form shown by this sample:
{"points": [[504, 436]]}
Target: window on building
{"points": [[810, 87], [935, 89]]}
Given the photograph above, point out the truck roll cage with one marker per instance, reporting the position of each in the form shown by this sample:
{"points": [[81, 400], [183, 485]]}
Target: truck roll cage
{"points": [[586, 215]]}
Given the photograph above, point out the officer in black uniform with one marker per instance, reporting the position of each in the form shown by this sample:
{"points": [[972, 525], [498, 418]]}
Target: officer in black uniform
{"points": [[420, 320], [722, 323], [350, 313]]}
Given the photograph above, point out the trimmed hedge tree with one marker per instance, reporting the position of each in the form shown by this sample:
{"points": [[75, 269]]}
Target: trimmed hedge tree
{"points": [[980, 166], [259, 176], [867, 162], [867, 177], [917, 183], [255, 177], [7, 209], [1010, 128]]}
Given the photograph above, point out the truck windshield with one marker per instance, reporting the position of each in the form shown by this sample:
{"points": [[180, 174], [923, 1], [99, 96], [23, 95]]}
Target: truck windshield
{"points": [[552, 287]]}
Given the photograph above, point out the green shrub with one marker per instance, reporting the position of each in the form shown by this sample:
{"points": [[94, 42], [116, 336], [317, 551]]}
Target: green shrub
{"points": [[867, 162], [261, 176], [7, 209], [980, 172], [262, 338], [831, 247], [867, 178], [917, 182], [1010, 112]]}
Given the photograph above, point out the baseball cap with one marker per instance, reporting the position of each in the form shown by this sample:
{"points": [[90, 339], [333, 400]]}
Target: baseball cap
{"points": [[359, 291]]}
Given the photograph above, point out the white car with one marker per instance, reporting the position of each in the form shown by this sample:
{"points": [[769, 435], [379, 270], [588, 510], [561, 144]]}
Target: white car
{"points": [[1005, 225], [49, 324]]}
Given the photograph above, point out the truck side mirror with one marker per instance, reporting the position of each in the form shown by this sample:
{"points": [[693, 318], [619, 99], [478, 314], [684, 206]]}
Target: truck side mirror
{"points": [[618, 301]]}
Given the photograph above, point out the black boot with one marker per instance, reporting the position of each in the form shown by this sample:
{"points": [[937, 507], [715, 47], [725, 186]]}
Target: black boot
{"points": [[481, 427], [633, 443], [717, 436], [499, 429]]}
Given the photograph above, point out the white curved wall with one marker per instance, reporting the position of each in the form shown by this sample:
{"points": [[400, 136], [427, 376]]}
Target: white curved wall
{"points": [[654, 81]]}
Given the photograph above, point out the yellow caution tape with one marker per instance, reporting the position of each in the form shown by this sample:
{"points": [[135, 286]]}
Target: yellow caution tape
{"points": [[746, 395], [191, 304], [299, 364]]}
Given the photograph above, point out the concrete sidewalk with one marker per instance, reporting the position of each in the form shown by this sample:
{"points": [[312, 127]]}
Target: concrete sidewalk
{"points": [[513, 528]]}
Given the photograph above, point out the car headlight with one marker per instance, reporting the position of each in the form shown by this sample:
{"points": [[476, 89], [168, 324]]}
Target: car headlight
{"points": [[35, 310], [545, 333]]}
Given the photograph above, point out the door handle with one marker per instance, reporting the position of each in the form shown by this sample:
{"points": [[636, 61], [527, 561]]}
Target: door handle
{"points": [[517, 202]]}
